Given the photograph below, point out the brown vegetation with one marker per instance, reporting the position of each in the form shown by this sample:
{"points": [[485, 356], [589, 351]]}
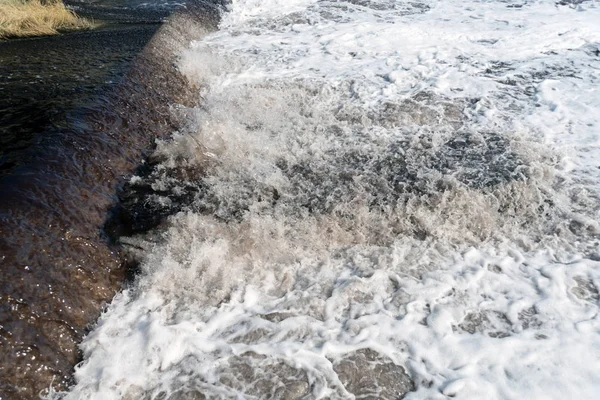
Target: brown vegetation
{"points": [[22, 18]]}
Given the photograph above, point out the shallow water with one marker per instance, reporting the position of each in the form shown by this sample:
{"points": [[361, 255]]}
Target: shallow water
{"points": [[375, 199]]}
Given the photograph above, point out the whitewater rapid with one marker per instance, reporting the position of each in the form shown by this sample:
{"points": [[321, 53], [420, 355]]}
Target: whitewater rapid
{"points": [[385, 199]]}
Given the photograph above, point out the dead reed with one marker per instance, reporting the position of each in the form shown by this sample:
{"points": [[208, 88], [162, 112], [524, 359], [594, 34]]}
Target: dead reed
{"points": [[23, 18]]}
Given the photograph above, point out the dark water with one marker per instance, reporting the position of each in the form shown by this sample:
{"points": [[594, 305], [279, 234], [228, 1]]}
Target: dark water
{"points": [[78, 113], [43, 79], [126, 11]]}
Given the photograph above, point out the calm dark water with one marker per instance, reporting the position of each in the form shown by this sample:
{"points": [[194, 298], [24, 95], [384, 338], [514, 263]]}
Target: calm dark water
{"points": [[43, 79]]}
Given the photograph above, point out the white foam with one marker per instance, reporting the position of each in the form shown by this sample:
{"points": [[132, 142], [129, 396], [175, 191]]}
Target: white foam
{"points": [[419, 179]]}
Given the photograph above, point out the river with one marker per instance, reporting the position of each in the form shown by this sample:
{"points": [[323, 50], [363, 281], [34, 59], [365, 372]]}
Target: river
{"points": [[369, 199]]}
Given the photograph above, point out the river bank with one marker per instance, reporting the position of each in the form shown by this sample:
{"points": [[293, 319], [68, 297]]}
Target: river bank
{"points": [[30, 18]]}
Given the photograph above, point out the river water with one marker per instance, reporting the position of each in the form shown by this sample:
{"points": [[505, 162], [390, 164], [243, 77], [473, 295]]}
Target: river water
{"points": [[374, 199], [45, 81]]}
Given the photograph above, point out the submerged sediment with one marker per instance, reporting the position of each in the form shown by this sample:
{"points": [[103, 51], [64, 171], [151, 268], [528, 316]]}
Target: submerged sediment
{"points": [[59, 268]]}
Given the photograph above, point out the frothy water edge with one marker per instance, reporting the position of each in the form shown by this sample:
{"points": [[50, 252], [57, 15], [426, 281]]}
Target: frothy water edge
{"points": [[370, 208]]}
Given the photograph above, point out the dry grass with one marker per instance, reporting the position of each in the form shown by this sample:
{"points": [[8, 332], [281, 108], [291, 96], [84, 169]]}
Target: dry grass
{"points": [[22, 18]]}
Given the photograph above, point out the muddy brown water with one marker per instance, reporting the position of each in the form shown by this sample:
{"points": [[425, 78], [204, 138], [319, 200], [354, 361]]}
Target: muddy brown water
{"points": [[61, 173]]}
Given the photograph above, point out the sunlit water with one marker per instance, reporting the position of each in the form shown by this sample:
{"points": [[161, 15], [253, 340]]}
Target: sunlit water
{"points": [[384, 199]]}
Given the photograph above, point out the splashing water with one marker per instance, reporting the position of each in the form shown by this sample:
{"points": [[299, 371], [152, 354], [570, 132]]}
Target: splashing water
{"points": [[376, 199]]}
